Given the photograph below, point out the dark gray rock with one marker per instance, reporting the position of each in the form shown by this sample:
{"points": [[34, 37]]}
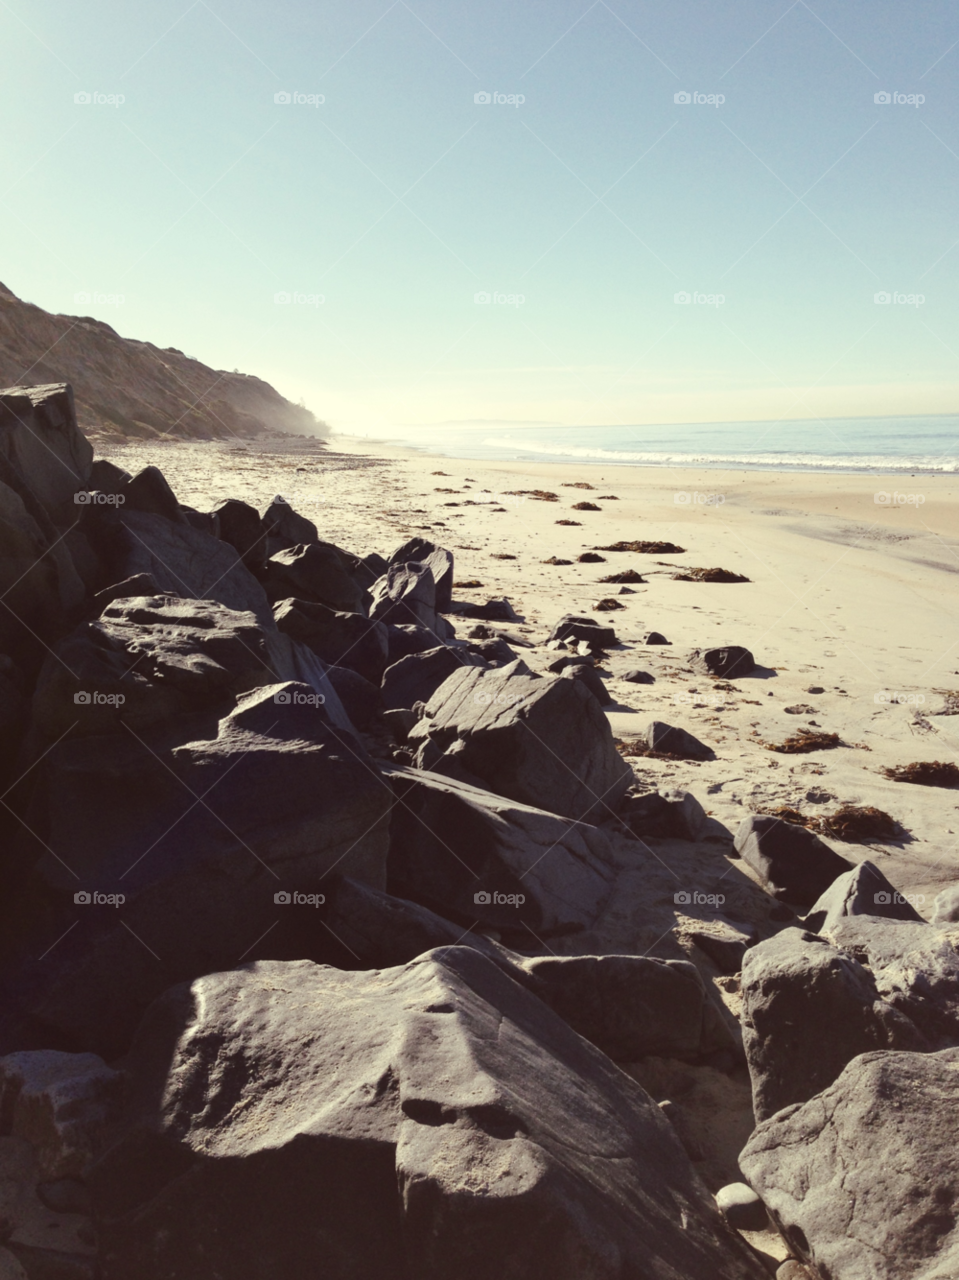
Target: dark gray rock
{"points": [[492, 611], [915, 967], [361, 700], [285, 528], [240, 525], [728, 663], [559, 665], [726, 944], [141, 584], [430, 1102], [655, 637], [495, 652], [670, 740], [808, 1010], [571, 627], [184, 562], [861, 1179], [107, 477], [635, 676], [149, 491], [339, 638], [541, 740], [316, 571], [417, 677], [405, 639], [795, 865], [437, 559], [674, 813], [406, 596], [742, 1208], [587, 675], [863, 891], [44, 456], [475, 856]]}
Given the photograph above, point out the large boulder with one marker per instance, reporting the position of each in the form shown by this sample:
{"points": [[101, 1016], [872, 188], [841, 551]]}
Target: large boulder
{"points": [[185, 562], [728, 663], [341, 639], [863, 891], [793, 863], [316, 571], [462, 1131], [240, 525], [861, 1179], [285, 527], [670, 740], [150, 856], [417, 677], [149, 490], [808, 1009], [437, 559], [406, 596], [469, 854], [43, 453], [915, 967], [541, 740]]}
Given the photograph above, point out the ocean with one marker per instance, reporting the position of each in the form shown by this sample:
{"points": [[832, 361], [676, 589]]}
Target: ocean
{"points": [[892, 446]]}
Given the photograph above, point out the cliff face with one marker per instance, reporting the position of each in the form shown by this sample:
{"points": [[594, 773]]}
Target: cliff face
{"points": [[127, 388]]}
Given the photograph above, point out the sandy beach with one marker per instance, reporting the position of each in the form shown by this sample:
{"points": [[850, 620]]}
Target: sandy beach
{"points": [[848, 596]]}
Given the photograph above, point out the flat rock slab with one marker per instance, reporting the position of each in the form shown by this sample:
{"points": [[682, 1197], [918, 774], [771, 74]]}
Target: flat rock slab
{"points": [[462, 1131], [861, 1178]]}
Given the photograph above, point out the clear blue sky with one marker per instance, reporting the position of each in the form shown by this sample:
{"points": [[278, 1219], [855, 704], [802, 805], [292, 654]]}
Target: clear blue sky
{"points": [[596, 200]]}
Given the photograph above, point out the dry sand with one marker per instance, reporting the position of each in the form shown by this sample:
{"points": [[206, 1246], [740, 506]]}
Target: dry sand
{"points": [[846, 594]]}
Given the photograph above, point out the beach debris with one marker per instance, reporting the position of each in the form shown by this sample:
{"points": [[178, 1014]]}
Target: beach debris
{"points": [[541, 495], [577, 484], [586, 506], [646, 548], [730, 660], [607, 497], [555, 560], [607, 605], [926, 773], [468, 584], [709, 575], [624, 575], [590, 557], [502, 555], [804, 741], [569, 522]]}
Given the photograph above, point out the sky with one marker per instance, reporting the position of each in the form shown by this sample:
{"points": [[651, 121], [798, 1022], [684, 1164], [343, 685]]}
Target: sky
{"points": [[445, 211]]}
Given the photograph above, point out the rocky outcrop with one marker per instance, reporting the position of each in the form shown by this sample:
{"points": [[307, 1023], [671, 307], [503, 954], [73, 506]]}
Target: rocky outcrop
{"points": [[432, 1150]]}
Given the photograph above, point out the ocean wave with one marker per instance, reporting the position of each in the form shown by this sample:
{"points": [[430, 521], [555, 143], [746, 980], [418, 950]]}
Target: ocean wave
{"points": [[794, 461]]}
